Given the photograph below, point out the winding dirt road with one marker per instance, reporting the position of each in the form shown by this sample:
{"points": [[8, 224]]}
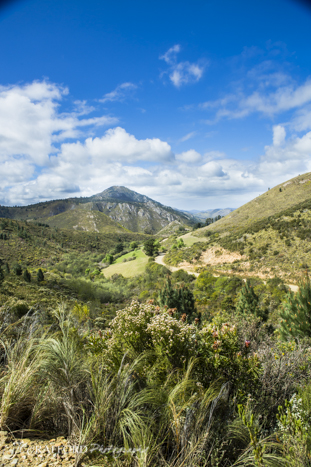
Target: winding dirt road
{"points": [[160, 260]]}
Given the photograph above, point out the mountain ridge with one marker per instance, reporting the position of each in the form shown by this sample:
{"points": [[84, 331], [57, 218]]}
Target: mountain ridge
{"points": [[126, 208]]}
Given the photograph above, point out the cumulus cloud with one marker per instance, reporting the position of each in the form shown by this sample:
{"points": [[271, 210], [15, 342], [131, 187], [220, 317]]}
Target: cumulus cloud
{"points": [[120, 93], [116, 145], [279, 135], [181, 73], [43, 158], [213, 169], [189, 156], [30, 121], [285, 158]]}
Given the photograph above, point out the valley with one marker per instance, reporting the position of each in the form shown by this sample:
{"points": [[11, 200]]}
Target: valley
{"points": [[150, 321]]}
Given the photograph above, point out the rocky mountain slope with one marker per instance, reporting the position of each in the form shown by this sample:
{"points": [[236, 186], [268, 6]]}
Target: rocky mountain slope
{"points": [[114, 209]]}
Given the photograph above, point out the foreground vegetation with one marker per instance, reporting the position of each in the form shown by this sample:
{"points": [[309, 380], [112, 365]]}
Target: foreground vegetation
{"points": [[172, 393], [158, 368]]}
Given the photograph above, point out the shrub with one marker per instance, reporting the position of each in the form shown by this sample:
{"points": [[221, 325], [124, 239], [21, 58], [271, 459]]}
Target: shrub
{"points": [[108, 259], [118, 248], [40, 275], [141, 327], [27, 275], [18, 269]]}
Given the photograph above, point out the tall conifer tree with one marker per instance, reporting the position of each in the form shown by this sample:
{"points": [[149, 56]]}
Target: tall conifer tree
{"points": [[296, 312], [248, 300]]}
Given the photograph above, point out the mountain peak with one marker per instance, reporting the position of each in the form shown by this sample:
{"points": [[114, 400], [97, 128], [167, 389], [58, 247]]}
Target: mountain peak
{"points": [[121, 193]]}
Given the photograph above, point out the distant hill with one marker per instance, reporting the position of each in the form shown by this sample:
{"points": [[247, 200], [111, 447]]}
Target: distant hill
{"points": [[203, 215], [115, 209]]}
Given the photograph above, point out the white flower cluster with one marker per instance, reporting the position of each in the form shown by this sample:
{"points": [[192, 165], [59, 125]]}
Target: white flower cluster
{"points": [[148, 325], [166, 330], [133, 319], [295, 411]]}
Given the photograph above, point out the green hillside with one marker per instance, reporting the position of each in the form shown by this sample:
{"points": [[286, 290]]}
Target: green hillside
{"points": [[85, 219], [269, 236], [279, 198]]}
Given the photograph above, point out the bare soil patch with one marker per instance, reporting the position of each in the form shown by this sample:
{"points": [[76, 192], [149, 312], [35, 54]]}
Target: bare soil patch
{"points": [[217, 255]]}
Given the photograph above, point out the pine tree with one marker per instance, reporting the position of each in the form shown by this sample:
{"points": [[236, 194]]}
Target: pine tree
{"points": [[40, 275], [7, 268], [27, 275], [296, 312], [248, 300], [182, 299], [167, 295]]}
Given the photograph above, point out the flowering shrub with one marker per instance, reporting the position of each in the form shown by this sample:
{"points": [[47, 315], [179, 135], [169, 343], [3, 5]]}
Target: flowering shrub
{"points": [[129, 327], [142, 327], [172, 337], [217, 346], [223, 355]]}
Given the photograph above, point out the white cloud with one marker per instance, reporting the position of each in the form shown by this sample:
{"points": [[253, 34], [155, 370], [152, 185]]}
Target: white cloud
{"points": [[39, 159], [185, 73], [181, 73], [279, 135], [170, 56], [190, 156], [212, 155], [302, 119], [270, 103], [30, 121], [213, 169], [187, 136], [120, 93], [117, 145], [285, 158]]}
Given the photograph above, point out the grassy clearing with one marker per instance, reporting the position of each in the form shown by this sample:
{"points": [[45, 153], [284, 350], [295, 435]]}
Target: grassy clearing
{"points": [[128, 268], [137, 253], [189, 239]]}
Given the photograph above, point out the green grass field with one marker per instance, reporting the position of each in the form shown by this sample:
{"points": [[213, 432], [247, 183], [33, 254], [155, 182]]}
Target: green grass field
{"points": [[128, 268], [189, 239]]}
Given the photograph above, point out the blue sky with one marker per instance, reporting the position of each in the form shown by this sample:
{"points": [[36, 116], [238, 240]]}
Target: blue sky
{"points": [[199, 105]]}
